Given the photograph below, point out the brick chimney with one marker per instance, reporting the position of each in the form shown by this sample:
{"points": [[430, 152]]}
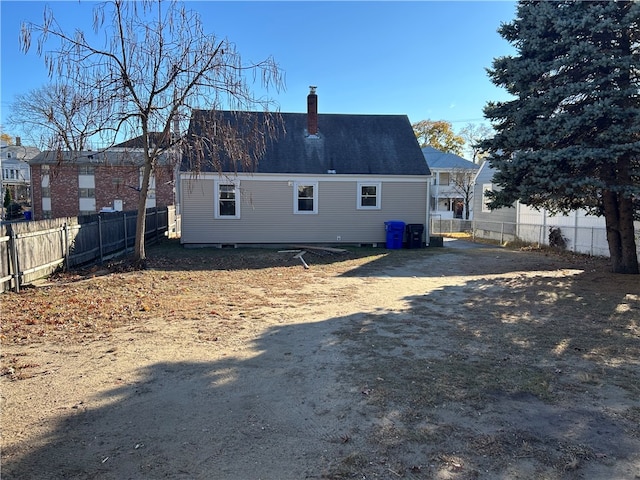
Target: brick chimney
{"points": [[312, 111]]}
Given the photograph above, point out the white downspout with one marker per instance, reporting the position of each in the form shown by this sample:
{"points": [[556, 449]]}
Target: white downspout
{"points": [[427, 227]]}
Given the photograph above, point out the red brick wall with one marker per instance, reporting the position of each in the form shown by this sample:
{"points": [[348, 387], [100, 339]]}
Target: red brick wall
{"points": [[117, 183], [165, 182], [36, 192], [63, 182], [111, 183]]}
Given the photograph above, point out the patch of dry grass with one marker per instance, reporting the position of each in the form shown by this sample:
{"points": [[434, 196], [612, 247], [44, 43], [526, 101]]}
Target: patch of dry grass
{"points": [[566, 335]]}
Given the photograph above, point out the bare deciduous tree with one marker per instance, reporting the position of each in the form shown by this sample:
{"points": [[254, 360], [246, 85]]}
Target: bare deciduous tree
{"points": [[155, 67], [473, 134], [58, 116], [462, 181]]}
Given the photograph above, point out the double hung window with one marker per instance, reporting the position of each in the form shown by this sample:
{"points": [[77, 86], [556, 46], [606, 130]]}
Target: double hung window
{"points": [[369, 196], [305, 197], [87, 192], [227, 196], [86, 169]]}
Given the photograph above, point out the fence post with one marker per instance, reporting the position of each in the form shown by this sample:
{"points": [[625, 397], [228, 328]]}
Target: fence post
{"points": [[13, 248], [126, 242], [65, 239], [156, 210], [100, 239]]}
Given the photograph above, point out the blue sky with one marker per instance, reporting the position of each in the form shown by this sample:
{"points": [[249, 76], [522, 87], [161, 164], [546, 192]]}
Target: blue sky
{"points": [[425, 59]]}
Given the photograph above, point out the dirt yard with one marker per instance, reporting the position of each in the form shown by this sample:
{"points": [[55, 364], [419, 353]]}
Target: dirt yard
{"points": [[461, 362]]}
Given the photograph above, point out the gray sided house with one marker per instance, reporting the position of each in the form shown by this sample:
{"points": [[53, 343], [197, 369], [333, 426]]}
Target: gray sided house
{"points": [[324, 179], [499, 224], [482, 185]]}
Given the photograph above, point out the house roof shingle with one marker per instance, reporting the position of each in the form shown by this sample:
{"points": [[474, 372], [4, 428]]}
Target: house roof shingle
{"points": [[346, 144], [112, 157], [155, 138], [444, 160]]}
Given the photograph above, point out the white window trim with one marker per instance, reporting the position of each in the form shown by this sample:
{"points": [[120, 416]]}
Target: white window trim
{"points": [[216, 200], [315, 198], [378, 204]]}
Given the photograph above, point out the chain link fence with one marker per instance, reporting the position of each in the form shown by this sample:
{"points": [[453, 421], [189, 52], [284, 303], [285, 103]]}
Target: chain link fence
{"points": [[586, 240]]}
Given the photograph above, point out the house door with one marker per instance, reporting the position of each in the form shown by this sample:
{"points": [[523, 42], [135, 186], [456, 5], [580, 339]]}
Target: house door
{"points": [[458, 208]]}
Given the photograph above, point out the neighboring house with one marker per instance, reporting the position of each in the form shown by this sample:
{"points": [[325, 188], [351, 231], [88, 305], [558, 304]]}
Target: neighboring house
{"points": [[83, 183], [483, 184], [16, 174], [171, 155], [580, 232], [330, 179], [498, 224], [452, 189]]}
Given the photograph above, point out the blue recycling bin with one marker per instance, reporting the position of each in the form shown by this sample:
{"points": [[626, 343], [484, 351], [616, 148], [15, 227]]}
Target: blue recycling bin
{"points": [[27, 215], [395, 233]]}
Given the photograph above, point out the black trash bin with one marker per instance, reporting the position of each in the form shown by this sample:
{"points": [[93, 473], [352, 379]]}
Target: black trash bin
{"points": [[414, 235], [436, 241]]}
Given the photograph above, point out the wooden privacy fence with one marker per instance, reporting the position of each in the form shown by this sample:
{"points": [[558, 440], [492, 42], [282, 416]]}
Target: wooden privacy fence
{"points": [[32, 250]]}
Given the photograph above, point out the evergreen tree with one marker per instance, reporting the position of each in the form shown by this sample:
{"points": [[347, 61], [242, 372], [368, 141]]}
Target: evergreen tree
{"points": [[570, 137], [7, 201]]}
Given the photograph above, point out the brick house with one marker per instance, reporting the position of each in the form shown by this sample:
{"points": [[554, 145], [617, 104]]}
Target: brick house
{"points": [[81, 183]]}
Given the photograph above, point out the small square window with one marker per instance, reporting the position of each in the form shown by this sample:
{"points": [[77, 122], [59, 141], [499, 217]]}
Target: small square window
{"points": [[87, 192], [369, 196]]}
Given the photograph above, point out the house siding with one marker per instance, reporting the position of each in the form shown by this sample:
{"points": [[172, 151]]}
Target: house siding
{"points": [[506, 214], [267, 214]]}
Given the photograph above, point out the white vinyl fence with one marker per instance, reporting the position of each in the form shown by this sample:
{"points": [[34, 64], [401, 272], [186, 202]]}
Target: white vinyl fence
{"points": [[576, 236]]}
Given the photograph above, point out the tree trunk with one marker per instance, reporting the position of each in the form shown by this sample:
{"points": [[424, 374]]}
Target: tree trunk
{"points": [[618, 213], [139, 253]]}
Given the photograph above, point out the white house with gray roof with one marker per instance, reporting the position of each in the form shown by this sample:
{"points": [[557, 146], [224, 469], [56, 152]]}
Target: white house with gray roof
{"points": [[16, 173], [452, 184], [325, 179]]}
